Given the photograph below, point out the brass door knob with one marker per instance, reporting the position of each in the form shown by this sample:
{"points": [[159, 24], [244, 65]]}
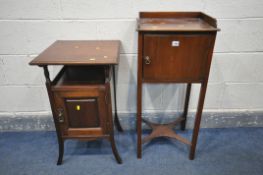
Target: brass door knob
{"points": [[147, 60]]}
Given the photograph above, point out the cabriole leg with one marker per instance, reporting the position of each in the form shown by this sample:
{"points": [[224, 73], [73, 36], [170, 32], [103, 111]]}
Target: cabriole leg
{"points": [[61, 152], [52, 104], [114, 149], [116, 118]]}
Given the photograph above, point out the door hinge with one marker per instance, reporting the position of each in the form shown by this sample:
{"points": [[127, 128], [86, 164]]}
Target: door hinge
{"points": [[60, 115]]}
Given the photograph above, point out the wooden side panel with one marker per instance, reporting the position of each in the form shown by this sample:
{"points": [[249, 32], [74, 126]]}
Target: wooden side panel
{"points": [[179, 58], [84, 112]]}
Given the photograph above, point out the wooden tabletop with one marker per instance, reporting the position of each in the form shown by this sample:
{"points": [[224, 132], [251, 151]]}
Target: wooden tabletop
{"points": [[79, 52], [176, 22], [168, 24]]}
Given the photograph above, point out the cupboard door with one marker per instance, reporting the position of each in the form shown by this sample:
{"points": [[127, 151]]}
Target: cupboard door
{"points": [[84, 112], [177, 57]]}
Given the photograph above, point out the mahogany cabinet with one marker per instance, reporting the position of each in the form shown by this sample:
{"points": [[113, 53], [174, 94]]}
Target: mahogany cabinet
{"points": [[80, 94], [84, 109], [183, 61], [174, 47]]}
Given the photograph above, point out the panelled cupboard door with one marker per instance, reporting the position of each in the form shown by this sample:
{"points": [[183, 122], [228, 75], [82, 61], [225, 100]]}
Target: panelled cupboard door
{"points": [[175, 57], [82, 112]]}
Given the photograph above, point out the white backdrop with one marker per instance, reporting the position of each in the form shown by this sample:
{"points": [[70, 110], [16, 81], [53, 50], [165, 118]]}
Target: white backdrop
{"points": [[29, 26]]}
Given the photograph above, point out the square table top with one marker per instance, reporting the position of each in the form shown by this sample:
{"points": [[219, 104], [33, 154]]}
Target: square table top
{"points": [[79, 52]]}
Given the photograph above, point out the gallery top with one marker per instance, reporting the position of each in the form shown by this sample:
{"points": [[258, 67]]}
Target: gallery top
{"points": [[79, 52], [176, 22]]}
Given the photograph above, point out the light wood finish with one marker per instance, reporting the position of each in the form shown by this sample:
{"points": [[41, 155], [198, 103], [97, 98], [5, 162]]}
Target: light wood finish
{"points": [[79, 95], [174, 47]]}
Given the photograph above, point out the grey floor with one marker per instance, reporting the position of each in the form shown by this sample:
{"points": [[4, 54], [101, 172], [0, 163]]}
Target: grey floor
{"points": [[220, 151]]}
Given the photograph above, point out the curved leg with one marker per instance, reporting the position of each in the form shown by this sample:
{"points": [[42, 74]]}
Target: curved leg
{"points": [[114, 149], [51, 100], [186, 103], [61, 152], [117, 123], [116, 119]]}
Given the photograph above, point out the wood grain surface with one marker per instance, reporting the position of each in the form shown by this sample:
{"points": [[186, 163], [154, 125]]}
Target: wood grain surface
{"points": [[176, 21], [82, 52]]}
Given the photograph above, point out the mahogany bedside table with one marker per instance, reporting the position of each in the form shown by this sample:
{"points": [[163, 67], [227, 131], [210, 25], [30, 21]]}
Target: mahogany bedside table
{"points": [[174, 47], [80, 95]]}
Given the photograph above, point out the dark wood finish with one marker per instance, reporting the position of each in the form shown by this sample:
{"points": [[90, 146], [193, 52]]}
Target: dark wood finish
{"points": [[88, 117], [110, 124], [139, 96], [55, 118], [116, 118], [186, 104], [81, 75], [201, 103], [175, 63], [164, 130], [64, 52], [79, 95], [174, 47], [83, 112], [176, 22]]}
